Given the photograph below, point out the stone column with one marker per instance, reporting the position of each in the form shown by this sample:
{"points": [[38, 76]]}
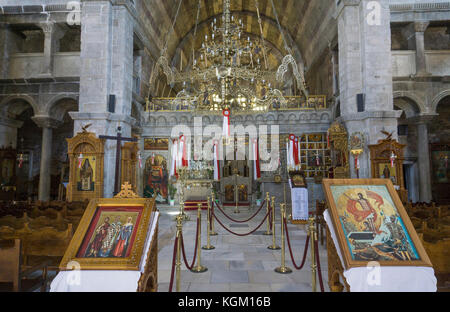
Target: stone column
{"points": [[47, 124], [8, 131], [423, 157], [421, 65], [52, 34], [365, 67], [106, 69]]}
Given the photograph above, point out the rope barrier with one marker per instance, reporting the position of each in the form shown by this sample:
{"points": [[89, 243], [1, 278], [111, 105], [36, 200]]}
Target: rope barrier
{"points": [[316, 248], [173, 264], [290, 249], [270, 217], [241, 221], [262, 222], [189, 267]]}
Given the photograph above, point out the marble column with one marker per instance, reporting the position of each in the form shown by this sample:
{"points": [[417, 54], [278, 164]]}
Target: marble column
{"points": [[423, 157], [421, 65], [47, 124], [365, 67], [106, 69], [52, 34]]}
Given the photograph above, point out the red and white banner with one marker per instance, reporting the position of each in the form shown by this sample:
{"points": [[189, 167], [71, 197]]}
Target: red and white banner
{"points": [[317, 160], [140, 160], [393, 157], [226, 123], [216, 161], [296, 148], [153, 159], [80, 160], [256, 166], [174, 158], [357, 167], [328, 139], [183, 151], [20, 160], [291, 150]]}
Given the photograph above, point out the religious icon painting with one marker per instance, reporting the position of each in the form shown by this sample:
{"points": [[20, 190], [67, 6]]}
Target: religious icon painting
{"points": [[86, 174], [156, 178], [111, 234], [386, 171], [371, 224]]}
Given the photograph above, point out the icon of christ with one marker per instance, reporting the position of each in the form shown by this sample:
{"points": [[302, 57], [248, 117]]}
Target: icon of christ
{"points": [[362, 209]]}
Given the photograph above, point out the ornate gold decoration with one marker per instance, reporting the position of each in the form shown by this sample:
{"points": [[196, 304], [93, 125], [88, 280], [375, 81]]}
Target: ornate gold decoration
{"points": [[88, 144], [130, 263], [126, 191], [339, 144]]}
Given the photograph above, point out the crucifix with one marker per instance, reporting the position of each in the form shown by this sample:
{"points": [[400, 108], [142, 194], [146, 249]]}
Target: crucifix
{"points": [[119, 140]]}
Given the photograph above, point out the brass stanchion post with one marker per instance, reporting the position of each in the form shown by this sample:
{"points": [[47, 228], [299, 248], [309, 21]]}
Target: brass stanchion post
{"points": [[268, 232], [274, 246], [213, 232], [312, 237], [178, 261], [283, 269], [236, 195], [199, 268], [208, 245]]}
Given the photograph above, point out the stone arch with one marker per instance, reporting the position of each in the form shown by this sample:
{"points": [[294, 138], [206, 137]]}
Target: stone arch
{"points": [[411, 97], [60, 105], [408, 105], [260, 118], [303, 117], [8, 109], [173, 120], [438, 98], [161, 121], [292, 117], [184, 120], [325, 117]]}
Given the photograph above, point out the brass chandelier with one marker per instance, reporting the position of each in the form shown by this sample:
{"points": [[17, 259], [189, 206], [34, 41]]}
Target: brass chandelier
{"points": [[230, 70]]}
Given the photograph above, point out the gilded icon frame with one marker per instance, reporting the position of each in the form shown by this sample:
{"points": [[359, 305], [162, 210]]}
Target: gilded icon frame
{"points": [[128, 263], [349, 262]]}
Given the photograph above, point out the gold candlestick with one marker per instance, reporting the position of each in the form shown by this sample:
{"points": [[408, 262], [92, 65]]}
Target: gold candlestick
{"points": [[199, 268], [274, 246], [283, 269], [268, 232], [208, 245]]}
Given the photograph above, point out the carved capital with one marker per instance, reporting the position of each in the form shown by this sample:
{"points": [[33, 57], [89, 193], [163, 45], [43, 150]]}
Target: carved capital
{"points": [[421, 26], [46, 122]]}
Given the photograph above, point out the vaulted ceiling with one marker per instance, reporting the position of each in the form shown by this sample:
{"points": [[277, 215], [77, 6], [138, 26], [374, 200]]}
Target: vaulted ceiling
{"points": [[308, 25]]}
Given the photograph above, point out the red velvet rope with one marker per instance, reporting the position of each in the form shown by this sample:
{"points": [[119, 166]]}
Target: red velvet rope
{"points": [[173, 264], [246, 233], [290, 249], [189, 267], [316, 248], [270, 217], [243, 221]]}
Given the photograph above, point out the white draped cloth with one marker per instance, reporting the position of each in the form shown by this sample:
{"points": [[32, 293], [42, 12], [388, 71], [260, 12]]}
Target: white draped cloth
{"points": [[299, 197], [103, 280], [389, 278]]}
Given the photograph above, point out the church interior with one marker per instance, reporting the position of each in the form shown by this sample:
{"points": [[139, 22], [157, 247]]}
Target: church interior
{"points": [[331, 123]]}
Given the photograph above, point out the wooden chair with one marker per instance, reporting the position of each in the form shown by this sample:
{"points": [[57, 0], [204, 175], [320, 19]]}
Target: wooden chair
{"points": [[12, 274]]}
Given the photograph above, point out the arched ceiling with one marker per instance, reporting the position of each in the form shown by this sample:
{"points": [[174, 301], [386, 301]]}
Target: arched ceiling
{"points": [[304, 23]]}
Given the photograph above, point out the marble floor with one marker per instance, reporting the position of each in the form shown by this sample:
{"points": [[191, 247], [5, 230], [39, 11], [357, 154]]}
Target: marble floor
{"points": [[238, 263]]}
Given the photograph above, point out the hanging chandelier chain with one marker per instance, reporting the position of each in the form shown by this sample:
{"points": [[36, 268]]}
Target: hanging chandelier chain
{"points": [[280, 28], [195, 30], [172, 29], [262, 34]]}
